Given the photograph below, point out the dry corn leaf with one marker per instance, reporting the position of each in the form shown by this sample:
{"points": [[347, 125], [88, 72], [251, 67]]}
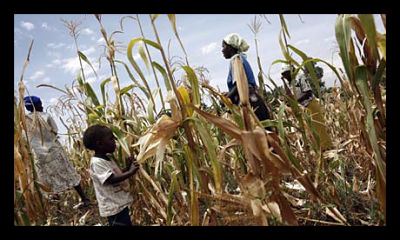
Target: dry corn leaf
{"points": [[285, 209], [226, 125], [258, 212], [241, 80], [254, 186], [155, 140], [335, 214], [273, 209]]}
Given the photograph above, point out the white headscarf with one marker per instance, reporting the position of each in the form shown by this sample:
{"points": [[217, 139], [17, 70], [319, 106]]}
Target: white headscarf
{"points": [[286, 67], [237, 42]]}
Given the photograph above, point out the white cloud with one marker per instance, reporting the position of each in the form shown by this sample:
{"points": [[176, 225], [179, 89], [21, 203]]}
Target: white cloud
{"points": [[55, 45], [304, 41], [17, 31], [27, 25], [37, 74], [93, 38], [45, 26], [46, 80], [72, 66], [54, 63], [54, 54], [330, 39], [209, 48], [70, 46], [93, 79], [53, 101], [101, 40], [87, 31], [89, 51]]}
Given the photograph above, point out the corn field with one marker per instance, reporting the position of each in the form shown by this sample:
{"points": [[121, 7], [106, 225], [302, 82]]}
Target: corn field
{"points": [[202, 166]]}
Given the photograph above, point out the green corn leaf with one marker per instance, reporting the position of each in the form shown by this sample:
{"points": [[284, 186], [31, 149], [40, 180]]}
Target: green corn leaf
{"points": [[102, 89], [136, 67], [211, 147], [368, 23], [315, 81], [283, 48], [134, 80], [285, 53], [378, 75], [194, 83], [343, 37], [382, 44], [194, 203], [151, 43], [361, 81], [143, 55], [332, 68], [84, 58], [79, 79], [269, 71], [281, 130], [25, 218], [120, 138], [130, 57], [172, 19], [164, 74], [283, 24], [126, 89], [91, 94], [171, 192], [150, 108]]}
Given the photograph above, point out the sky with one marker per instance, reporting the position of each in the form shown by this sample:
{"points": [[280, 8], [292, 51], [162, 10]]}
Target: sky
{"points": [[54, 60]]}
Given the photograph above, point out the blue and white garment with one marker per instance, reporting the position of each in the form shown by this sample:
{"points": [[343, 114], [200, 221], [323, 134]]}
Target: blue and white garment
{"points": [[302, 86], [249, 73], [52, 165]]}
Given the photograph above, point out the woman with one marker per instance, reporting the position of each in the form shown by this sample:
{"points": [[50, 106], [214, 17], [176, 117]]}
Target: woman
{"points": [[233, 45], [305, 97], [51, 162]]}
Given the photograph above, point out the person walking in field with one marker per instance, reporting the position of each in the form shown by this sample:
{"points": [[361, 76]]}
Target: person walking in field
{"points": [[52, 165], [233, 45], [306, 98], [109, 181]]}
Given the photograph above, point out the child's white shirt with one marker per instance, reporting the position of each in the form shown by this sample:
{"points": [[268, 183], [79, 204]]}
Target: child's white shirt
{"points": [[111, 198]]}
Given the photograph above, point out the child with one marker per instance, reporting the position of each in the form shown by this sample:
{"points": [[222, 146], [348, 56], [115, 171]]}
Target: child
{"points": [[112, 191], [51, 161]]}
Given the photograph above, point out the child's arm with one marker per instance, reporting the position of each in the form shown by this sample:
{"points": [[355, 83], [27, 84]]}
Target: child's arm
{"points": [[304, 96], [116, 178], [129, 162]]}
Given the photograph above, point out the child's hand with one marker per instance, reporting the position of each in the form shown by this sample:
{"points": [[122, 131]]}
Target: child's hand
{"points": [[134, 166], [129, 161]]}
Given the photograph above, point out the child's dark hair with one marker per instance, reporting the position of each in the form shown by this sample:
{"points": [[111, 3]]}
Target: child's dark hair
{"points": [[93, 134]]}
